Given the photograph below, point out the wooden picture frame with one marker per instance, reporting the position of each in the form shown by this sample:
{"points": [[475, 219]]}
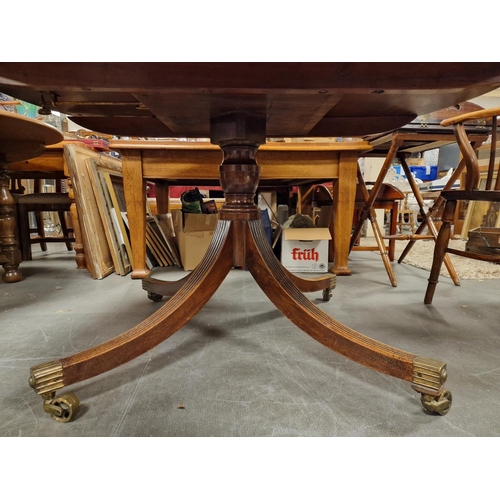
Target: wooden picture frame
{"points": [[110, 211], [115, 189], [93, 231]]}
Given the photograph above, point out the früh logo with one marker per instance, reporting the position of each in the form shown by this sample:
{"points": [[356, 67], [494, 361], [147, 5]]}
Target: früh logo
{"points": [[308, 254]]}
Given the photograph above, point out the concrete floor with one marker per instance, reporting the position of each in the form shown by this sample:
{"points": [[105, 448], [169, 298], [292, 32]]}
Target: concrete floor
{"points": [[240, 368]]}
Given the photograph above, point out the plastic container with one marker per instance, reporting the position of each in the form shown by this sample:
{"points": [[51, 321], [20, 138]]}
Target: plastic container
{"points": [[427, 173]]}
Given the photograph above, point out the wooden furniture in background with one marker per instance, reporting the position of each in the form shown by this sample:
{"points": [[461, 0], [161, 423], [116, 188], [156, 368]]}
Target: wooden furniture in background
{"points": [[51, 164], [21, 138], [406, 216], [38, 204], [388, 198], [422, 134], [472, 192]]}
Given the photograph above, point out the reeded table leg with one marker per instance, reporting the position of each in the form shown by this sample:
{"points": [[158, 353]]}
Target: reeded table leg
{"points": [[202, 283], [427, 376]]}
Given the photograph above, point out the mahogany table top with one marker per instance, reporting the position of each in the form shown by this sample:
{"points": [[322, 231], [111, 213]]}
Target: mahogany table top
{"points": [[298, 99]]}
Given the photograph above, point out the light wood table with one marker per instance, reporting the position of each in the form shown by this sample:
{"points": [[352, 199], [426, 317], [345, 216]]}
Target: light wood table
{"points": [[197, 163]]}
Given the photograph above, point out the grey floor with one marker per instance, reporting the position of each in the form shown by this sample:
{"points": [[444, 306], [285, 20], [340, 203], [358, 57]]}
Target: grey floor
{"points": [[240, 368]]}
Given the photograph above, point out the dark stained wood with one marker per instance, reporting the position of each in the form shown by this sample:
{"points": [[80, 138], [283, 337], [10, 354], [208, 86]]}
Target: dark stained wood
{"points": [[269, 275], [296, 98], [21, 138], [189, 96], [472, 191], [197, 290]]}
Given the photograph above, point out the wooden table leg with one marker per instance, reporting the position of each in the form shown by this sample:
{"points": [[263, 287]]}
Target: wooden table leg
{"points": [[134, 187], [344, 195], [393, 229], [162, 196], [10, 255]]}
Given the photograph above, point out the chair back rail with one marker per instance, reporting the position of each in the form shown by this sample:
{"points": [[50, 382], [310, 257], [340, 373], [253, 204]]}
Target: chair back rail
{"points": [[473, 175]]}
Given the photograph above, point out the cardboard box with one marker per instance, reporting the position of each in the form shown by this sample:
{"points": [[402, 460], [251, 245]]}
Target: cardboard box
{"points": [[193, 234], [415, 162], [305, 250]]}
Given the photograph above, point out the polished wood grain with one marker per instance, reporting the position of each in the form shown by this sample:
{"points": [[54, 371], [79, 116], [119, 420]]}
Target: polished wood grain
{"points": [[238, 105], [281, 164], [322, 99]]}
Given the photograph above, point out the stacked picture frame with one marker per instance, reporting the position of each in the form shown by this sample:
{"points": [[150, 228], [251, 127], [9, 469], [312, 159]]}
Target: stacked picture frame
{"points": [[97, 185]]}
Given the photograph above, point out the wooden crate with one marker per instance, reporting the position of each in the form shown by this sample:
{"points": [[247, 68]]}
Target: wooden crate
{"points": [[484, 240]]}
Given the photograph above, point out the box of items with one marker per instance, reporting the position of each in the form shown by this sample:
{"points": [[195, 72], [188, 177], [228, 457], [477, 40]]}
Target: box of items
{"points": [[193, 234], [305, 250]]}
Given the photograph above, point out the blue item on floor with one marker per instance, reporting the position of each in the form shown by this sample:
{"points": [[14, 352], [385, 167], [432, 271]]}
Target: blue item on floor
{"points": [[425, 173]]}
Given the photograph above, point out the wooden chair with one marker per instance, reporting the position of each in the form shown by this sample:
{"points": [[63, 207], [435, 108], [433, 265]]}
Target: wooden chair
{"points": [[39, 203], [388, 198], [406, 216], [472, 192]]}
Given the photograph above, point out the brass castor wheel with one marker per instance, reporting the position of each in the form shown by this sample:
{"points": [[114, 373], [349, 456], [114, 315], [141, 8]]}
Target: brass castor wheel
{"points": [[327, 292], [62, 408], [437, 404], [155, 297]]}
